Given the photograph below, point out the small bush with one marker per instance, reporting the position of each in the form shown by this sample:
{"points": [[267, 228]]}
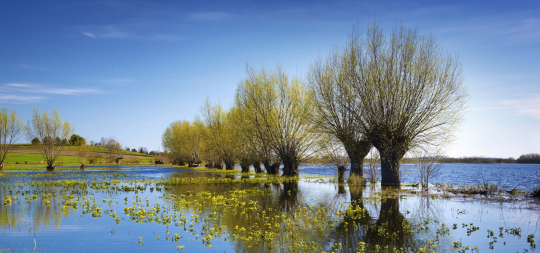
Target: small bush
{"points": [[536, 193], [355, 179]]}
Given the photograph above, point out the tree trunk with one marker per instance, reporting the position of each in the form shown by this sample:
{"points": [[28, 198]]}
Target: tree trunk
{"points": [[229, 166], [245, 169], [290, 168], [341, 173], [245, 164], [217, 166], [357, 151], [257, 167], [1, 166], [51, 168], [190, 164], [272, 169], [357, 164], [390, 167], [287, 166], [82, 167]]}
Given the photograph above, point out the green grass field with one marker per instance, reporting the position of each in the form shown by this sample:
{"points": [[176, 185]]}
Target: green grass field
{"points": [[14, 158], [97, 149], [39, 160]]}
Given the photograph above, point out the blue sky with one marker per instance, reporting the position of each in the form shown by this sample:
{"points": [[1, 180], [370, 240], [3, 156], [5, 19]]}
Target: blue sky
{"points": [[127, 69]]}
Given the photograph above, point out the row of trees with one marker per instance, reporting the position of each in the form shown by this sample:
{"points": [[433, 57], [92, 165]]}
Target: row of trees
{"points": [[396, 94], [50, 134], [269, 125], [74, 140], [529, 158]]}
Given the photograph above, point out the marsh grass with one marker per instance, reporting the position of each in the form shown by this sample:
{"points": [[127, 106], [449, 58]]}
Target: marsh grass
{"points": [[355, 179], [535, 193]]}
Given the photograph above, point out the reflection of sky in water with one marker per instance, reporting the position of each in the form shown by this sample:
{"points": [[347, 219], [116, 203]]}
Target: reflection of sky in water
{"points": [[55, 231]]}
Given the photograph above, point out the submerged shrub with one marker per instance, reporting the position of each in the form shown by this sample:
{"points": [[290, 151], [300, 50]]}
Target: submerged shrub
{"points": [[536, 193], [355, 179]]}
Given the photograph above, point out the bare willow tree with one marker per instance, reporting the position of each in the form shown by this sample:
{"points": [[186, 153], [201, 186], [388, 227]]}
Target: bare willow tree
{"points": [[428, 163], [50, 130], [410, 93], [277, 111], [331, 83], [11, 128], [373, 164], [82, 153], [334, 153], [114, 148]]}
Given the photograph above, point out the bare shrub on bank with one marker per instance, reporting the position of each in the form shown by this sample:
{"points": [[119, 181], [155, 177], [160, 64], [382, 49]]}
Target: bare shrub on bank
{"points": [[373, 172], [428, 165], [334, 153]]}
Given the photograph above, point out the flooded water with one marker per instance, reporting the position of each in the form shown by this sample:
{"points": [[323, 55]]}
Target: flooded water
{"points": [[520, 176], [166, 209]]}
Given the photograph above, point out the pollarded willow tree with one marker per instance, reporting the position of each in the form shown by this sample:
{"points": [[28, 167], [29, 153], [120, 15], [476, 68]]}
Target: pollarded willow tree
{"points": [[246, 147], [276, 112], [11, 128], [332, 85], [172, 142], [50, 130], [410, 93], [219, 134], [183, 141], [254, 98]]}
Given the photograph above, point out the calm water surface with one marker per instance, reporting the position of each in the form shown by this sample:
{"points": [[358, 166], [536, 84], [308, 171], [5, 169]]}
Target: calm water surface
{"points": [[520, 176], [28, 225]]}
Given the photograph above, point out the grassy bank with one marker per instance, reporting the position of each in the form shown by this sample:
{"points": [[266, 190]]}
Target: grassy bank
{"points": [[34, 158], [95, 149]]}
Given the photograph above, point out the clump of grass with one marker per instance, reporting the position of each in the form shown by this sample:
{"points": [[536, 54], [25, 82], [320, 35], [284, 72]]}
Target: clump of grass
{"points": [[355, 179], [535, 193]]}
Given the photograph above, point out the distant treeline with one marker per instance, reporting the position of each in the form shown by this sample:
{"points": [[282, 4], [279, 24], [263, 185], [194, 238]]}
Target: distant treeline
{"points": [[527, 158], [476, 159]]}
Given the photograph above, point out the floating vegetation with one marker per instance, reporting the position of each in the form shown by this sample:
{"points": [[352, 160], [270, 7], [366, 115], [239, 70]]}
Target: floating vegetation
{"points": [[247, 213]]}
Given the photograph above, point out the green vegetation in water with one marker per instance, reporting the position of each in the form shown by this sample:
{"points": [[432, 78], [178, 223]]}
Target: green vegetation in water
{"points": [[244, 212]]}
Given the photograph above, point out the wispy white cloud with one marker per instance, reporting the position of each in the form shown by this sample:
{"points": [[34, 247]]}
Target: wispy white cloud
{"points": [[118, 81], [89, 35], [20, 85], [15, 99], [123, 32], [529, 106], [519, 27], [116, 35], [40, 89], [65, 91], [210, 16]]}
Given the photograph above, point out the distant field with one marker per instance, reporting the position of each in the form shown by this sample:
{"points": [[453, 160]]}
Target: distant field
{"points": [[29, 154], [14, 158], [97, 149]]}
